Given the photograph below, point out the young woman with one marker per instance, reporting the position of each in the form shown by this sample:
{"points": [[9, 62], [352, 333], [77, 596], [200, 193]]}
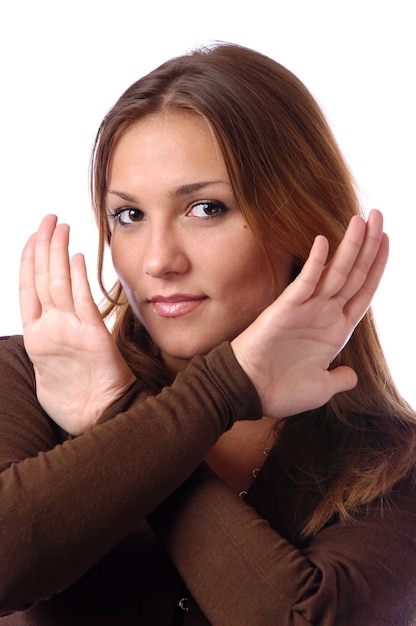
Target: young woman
{"points": [[267, 448]]}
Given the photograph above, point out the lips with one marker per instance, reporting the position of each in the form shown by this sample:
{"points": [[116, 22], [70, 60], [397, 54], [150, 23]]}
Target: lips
{"points": [[176, 305]]}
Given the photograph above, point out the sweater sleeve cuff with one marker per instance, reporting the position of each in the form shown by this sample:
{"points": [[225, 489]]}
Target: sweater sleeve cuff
{"points": [[233, 383]]}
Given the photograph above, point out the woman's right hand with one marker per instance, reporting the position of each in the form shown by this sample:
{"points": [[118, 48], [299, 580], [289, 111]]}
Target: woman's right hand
{"points": [[78, 368], [287, 351]]}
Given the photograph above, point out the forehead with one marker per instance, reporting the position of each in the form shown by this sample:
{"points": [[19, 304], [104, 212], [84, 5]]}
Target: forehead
{"points": [[163, 125], [167, 144]]}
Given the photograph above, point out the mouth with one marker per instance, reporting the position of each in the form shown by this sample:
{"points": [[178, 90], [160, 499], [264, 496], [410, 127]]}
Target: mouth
{"points": [[176, 305]]}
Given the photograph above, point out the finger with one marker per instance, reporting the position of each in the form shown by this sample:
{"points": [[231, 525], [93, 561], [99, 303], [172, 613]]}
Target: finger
{"points": [[59, 270], [305, 284], [41, 260], [339, 268], [85, 307], [30, 308], [360, 303], [366, 257]]}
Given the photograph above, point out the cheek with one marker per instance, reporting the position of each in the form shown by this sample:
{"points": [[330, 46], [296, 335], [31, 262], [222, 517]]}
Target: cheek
{"points": [[117, 260], [255, 275], [248, 276], [124, 264]]}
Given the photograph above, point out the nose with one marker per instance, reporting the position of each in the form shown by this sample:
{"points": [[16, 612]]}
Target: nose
{"points": [[164, 253]]}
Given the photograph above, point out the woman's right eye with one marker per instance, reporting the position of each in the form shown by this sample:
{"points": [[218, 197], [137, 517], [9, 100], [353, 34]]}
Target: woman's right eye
{"points": [[127, 216]]}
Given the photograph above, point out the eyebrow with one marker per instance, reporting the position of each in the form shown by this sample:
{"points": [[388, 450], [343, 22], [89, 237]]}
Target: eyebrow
{"points": [[182, 190]]}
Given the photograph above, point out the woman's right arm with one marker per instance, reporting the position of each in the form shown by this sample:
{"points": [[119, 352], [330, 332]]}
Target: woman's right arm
{"points": [[63, 506]]}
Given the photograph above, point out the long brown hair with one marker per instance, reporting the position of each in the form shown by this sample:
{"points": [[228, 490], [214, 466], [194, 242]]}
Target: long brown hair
{"points": [[291, 183]]}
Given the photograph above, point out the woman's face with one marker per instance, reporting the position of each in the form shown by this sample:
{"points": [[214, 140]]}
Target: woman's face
{"points": [[190, 265]]}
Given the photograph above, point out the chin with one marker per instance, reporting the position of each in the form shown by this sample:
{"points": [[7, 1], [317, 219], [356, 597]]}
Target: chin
{"points": [[179, 358]]}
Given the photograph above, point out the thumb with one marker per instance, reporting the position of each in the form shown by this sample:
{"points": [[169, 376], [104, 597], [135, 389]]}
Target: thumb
{"points": [[342, 378]]}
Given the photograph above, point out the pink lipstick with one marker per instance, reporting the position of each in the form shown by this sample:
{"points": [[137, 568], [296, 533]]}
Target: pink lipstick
{"points": [[176, 305]]}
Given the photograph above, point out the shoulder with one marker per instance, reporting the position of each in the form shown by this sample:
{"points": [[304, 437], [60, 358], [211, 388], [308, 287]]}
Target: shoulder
{"points": [[12, 344], [14, 360], [399, 505], [12, 349]]}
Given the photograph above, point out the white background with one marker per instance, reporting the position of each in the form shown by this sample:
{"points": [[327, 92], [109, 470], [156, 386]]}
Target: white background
{"points": [[63, 64]]}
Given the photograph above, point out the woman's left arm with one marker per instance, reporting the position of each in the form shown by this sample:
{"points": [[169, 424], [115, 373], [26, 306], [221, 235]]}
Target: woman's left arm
{"points": [[241, 571]]}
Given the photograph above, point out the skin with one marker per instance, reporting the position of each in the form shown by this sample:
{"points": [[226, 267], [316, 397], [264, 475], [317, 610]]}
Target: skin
{"points": [[190, 265]]}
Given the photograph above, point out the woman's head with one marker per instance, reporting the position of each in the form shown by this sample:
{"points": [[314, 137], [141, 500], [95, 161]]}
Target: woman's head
{"points": [[191, 268]]}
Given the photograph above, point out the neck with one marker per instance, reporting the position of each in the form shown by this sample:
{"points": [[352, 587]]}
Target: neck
{"points": [[240, 451]]}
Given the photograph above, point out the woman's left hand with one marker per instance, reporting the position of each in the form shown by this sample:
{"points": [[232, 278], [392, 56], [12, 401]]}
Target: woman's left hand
{"points": [[286, 352]]}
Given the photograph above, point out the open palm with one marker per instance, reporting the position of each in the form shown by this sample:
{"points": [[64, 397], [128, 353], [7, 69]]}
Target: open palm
{"points": [[78, 367], [286, 352]]}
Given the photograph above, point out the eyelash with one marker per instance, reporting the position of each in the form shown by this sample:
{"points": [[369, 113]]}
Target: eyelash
{"points": [[116, 216], [207, 204], [211, 203]]}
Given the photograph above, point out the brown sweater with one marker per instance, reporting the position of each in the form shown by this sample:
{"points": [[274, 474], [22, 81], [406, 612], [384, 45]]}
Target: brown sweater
{"points": [[75, 549]]}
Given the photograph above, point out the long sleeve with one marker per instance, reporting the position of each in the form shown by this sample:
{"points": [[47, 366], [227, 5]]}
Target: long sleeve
{"points": [[241, 571], [64, 505]]}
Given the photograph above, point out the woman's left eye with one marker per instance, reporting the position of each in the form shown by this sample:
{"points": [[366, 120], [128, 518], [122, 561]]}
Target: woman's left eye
{"points": [[207, 209]]}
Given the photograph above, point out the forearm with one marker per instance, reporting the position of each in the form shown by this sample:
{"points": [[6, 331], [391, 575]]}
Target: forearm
{"points": [[65, 508], [241, 571]]}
